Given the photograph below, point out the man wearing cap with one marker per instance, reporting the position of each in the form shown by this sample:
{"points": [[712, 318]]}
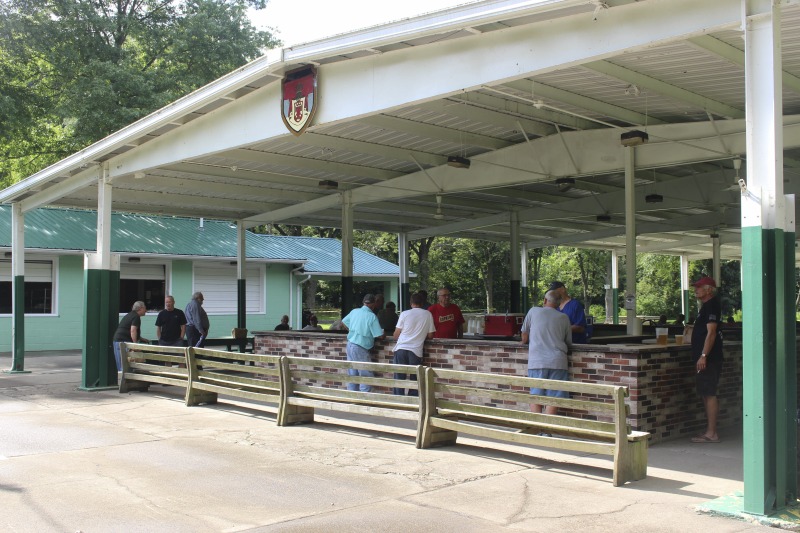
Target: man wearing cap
{"points": [[707, 354], [574, 310], [362, 330]]}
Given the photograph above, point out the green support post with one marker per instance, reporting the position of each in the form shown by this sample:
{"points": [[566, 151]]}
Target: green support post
{"points": [[615, 299], [18, 350], [99, 324], [405, 296], [515, 292], [241, 304]]}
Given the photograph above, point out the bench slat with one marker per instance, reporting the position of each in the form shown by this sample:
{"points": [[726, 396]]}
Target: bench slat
{"points": [[377, 381], [524, 416], [155, 378], [583, 405], [374, 398], [524, 381], [523, 438], [237, 356], [353, 408], [362, 365], [269, 397], [206, 376]]}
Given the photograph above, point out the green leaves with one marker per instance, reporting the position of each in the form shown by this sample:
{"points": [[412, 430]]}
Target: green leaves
{"points": [[75, 71]]}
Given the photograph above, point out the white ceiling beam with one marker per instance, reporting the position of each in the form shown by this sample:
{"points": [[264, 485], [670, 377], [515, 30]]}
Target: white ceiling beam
{"points": [[736, 57], [54, 192], [540, 90], [403, 77], [210, 188], [464, 107], [361, 147], [597, 151], [665, 89], [432, 131]]}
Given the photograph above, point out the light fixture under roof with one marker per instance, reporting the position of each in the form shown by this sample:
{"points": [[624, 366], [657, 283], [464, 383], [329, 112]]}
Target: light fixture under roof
{"points": [[438, 215], [653, 198], [565, 184], [328, 185], [458, 162], [603, 218], [634, 138]]}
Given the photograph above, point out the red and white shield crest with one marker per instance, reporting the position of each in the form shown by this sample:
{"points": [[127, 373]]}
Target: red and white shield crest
{"points": [[299, 102]]}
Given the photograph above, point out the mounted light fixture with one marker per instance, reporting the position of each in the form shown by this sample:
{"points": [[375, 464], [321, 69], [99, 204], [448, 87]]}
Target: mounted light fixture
{"points": [[438, 215], [329, 185], [634, 138], [134, 259], [565, 184], [458, 162], [653, 198], [603, 218]]}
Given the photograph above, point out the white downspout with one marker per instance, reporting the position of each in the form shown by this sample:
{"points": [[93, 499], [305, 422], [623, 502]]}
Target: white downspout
{"points": [[291, 292], [300, 301]]}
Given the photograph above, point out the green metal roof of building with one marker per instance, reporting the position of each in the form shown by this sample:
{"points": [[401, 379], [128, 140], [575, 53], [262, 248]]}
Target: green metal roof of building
{"points": [[72, 230]]}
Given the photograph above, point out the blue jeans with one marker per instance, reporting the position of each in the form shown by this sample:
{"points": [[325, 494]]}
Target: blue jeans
{"points": [[117, 356], [358, 353], [405, 357], [549, 373]]}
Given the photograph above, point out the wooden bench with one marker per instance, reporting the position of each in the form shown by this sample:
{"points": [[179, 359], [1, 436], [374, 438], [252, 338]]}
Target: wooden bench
{"points": [[466, 402], [214, 372], [143, 364], [321, 383]]}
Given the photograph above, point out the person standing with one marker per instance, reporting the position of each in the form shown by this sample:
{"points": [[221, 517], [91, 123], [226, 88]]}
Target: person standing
{"points": [[414, 326], [362, 330], [313, 324], [447, 317], [549, 337], [129, 330], [197, 323], [707, 354], [284, 325], [170, 324], [387, 318], [574, 310]]}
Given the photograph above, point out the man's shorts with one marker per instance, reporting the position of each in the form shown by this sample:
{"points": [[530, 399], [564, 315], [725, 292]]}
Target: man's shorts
{"points": [[706, 382], [549, 373]]}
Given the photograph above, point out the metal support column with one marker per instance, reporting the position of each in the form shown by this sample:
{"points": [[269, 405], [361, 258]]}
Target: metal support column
{"points": [[630, 243], [685, 305], [402, 259], [716, 266], [614, 287], [101, 286], [347, 253], [526, 298], [769, 372], [17, 290], [514, 290], [241, 276]]}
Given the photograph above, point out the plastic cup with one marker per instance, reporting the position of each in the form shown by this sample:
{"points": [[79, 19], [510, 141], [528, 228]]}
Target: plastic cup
{"points": [[661, 335], [678, 339]]}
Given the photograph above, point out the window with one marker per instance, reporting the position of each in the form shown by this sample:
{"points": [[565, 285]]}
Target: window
{"points": [[145, 282], [217, 282], [38, 287]]}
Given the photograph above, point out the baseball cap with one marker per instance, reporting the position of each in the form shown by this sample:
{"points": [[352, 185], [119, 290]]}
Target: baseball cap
{"points": [[705, 281], [555, 285]]}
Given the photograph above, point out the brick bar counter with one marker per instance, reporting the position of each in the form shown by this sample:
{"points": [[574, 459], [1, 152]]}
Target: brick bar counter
{"points": [[660, 378]]}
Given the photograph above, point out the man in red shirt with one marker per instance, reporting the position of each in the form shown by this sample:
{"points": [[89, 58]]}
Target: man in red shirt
{"points": [[447, 317]]}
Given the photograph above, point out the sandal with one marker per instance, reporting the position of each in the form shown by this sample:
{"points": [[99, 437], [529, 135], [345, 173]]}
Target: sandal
{"points": [[702, 439]]}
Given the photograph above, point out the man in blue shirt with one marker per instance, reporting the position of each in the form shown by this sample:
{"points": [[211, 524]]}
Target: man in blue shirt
{"points": [[362, 330], [574, 310]]}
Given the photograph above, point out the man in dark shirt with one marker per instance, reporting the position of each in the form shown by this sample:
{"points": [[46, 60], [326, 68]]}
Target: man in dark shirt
{"points": [[197, 323], [170, 324], [707, 354], [129, 330], [284, 325]]}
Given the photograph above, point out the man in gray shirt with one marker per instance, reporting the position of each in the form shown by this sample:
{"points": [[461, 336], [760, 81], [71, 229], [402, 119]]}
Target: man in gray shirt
{"points": [[548, 333], [197, 323]]}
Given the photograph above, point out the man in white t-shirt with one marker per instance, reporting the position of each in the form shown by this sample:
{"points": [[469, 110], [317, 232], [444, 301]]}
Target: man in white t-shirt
{"points": [[414, 327]]}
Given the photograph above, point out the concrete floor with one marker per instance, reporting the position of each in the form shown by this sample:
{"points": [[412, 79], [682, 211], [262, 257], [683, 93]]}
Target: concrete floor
{"points": [[100, 461]]}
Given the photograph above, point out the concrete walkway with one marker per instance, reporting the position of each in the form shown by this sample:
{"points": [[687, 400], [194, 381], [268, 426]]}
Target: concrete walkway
{"points": [[101, 461]]}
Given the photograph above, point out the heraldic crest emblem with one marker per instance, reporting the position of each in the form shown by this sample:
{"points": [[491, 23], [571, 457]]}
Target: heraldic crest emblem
{"points": [[299, 102]]}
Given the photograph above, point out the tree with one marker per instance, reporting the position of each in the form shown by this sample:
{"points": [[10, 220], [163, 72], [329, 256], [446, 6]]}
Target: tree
{"points": [[77, 70]]}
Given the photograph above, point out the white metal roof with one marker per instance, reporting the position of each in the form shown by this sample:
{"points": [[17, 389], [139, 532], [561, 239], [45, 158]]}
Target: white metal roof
{"points": [[530, 91]]}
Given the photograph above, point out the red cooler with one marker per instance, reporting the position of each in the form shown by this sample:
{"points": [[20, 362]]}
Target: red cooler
{"points": [[503, 325]]}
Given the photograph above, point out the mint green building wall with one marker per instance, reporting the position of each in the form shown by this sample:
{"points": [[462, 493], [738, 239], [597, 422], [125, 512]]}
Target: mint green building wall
{"points": [[277, 288]]}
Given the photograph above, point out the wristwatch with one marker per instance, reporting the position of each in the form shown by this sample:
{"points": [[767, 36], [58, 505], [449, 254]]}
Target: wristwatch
{"points": [[702, 355]]}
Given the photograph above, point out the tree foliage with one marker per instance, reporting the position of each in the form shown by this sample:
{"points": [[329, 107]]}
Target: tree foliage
{"points": [[74, 71]]}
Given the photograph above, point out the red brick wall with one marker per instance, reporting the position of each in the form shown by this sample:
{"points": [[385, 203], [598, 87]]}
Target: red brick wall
{"points": [[660, 378]]}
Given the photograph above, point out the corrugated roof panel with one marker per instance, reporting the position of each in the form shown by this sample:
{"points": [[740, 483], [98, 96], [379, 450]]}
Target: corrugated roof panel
{"points": [[72, 229]]}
